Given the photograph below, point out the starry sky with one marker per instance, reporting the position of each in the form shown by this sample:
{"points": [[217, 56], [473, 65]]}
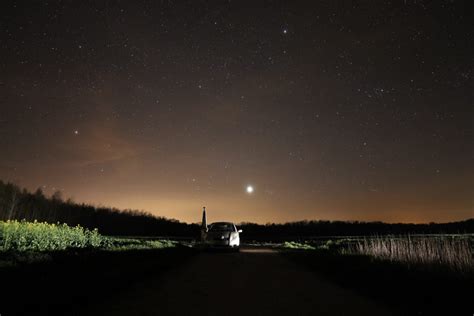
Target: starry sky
{"points": [[338, 110]]}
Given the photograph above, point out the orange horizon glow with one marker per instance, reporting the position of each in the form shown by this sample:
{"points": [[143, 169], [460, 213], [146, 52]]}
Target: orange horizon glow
{"points": [[259, 209]]}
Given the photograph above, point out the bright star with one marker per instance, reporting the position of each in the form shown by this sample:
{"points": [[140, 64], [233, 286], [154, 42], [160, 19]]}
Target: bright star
{"points": [[249, 189], [285, 31]]}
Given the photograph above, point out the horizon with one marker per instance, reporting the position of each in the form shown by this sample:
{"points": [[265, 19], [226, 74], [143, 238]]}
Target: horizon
{"points": [[237, 222], [314, 110]]}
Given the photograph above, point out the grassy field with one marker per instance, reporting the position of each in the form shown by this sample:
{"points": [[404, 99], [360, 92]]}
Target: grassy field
{"points": [[412, 275], [451, 252], [68, 281], [406, 273], [27, 242], [35, 236]]}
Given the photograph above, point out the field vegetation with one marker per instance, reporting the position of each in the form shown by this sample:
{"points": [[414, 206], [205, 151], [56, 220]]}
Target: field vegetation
{"points": [[297, 245], [35, 236], [451, 252], [22, 241], [126, 244], [416, 275]]}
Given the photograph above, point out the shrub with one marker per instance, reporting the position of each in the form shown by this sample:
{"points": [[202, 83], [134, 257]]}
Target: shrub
{"points": [[35, 236]]}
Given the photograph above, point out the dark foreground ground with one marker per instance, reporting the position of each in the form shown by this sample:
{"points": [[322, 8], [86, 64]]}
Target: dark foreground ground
{"points": [[256, 281]]}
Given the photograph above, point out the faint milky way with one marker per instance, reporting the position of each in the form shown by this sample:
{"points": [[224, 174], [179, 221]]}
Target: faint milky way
{"points": [[333, 110]]}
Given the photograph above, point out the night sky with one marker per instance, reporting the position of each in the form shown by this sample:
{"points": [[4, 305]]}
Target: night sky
{"points": [[338, 110]]}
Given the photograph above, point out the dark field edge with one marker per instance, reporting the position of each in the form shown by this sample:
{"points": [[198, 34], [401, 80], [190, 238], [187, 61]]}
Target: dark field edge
{"points": [[402, 289], [72, 281]]}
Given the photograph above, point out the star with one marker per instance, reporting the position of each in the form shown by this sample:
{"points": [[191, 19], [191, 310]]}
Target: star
{"points": [[249, 189], [285, 31], [76, 132]]}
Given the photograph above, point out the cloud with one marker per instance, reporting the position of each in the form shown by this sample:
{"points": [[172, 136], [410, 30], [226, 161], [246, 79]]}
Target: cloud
{"points": [[97, 146]]}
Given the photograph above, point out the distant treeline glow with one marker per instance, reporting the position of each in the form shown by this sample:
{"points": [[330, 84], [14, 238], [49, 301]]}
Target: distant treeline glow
{"points": [[19, 204]]}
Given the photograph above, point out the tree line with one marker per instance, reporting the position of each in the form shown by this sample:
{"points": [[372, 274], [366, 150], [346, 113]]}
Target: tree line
{"points": [[321, 228], [19, 204]]}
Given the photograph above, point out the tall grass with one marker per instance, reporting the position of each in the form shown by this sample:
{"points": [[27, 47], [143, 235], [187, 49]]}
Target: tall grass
{"points": [[454, 253], [297, 245], [35, 236], [23, 236], [127, 244]]}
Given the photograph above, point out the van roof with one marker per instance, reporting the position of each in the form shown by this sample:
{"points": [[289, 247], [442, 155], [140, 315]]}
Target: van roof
{"points": [[222, 223]]}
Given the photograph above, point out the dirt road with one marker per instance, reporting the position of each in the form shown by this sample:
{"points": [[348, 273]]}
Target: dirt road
{"points": [[252, 282]]}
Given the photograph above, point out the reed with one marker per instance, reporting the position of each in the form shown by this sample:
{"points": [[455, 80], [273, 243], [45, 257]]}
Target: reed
{"points": [[452, 252]]}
